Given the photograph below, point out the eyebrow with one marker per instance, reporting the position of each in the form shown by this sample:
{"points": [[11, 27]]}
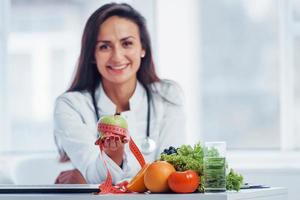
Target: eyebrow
{"points": [[123, 39]]}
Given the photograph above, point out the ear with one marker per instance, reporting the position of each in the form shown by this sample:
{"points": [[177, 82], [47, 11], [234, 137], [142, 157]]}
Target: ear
{"points": [[143, 53]]}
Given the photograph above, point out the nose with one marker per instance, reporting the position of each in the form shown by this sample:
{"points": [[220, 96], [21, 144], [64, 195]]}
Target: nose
{"points": [[117, 55]]}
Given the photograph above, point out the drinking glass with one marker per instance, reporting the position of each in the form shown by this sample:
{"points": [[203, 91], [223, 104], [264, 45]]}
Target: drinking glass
{"points": [[214, 166]]}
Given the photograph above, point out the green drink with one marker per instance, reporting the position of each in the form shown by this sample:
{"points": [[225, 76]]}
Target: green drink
{"points": [[214, 174], [214, 168]]}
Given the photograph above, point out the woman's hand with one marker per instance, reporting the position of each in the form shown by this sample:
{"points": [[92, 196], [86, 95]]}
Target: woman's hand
{"points": [[114, 148], [70, 177]]}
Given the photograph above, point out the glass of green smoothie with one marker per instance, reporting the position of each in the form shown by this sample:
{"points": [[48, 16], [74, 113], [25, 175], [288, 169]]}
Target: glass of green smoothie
{"points": [[214, 166]]}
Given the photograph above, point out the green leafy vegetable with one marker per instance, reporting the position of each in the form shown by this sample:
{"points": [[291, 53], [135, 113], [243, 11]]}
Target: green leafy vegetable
{"points": [[234, 181], [188, 157]]}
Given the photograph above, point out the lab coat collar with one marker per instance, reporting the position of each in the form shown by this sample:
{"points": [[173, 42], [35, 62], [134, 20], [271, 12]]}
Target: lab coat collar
{"points": [[107, 107]]}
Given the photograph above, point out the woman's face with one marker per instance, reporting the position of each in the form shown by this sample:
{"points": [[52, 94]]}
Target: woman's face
{"points": [[118, 50]]}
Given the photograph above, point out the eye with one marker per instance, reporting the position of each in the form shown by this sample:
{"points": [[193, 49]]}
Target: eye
{"points": [[103, 47], [127, 44]]}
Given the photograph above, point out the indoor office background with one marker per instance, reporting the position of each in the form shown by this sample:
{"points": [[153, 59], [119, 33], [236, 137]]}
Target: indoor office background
{"points": [[235, 60]]}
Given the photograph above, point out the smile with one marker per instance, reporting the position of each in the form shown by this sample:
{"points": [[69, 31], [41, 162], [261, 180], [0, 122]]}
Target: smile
{"points": [[119, 67]]}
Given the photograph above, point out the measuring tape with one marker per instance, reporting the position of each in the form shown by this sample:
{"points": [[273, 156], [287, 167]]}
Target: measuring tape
{"points": [[108, 130]]}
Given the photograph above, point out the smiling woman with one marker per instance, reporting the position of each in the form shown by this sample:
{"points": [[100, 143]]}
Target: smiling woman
{"points": [[116, 74]]}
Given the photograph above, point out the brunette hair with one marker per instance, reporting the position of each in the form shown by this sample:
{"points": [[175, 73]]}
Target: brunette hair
{"points": [[87, 76]]}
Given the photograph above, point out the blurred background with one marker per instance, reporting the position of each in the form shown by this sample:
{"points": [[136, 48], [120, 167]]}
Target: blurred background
{"points": [[235, 60]]}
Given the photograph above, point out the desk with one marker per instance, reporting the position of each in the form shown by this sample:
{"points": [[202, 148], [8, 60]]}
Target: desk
{"points": [[276, 193]]}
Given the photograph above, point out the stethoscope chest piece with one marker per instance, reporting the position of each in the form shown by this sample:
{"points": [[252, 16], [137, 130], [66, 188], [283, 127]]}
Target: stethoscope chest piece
{"points": [[148, 146]]}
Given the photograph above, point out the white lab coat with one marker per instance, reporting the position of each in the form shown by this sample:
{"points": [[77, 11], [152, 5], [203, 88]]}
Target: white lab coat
{"points": [[76, 132]]}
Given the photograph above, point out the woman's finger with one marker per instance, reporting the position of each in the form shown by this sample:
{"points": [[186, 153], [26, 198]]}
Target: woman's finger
{"points": [[60, 179], [56, 181], [119, 143], [106, 143], [70, 177], [112, 144]]}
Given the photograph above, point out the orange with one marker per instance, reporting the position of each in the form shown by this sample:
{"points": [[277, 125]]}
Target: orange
{"points": [[137, 182], [156, 176]]}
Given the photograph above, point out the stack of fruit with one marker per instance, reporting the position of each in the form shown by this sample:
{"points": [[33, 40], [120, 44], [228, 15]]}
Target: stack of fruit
{"points": [[161, 176]]}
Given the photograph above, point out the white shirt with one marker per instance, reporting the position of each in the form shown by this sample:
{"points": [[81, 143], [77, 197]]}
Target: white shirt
{"points": [[75, 127]]}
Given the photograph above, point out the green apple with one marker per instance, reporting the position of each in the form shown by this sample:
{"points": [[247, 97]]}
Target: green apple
{"points": [[112, 120], [115, 120]]}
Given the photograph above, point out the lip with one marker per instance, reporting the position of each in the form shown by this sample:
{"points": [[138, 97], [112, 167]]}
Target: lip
{"points": [[118, 68]]}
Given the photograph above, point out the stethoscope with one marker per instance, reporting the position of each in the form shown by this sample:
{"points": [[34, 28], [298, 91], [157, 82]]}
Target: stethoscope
{"points": [[148, 145]]}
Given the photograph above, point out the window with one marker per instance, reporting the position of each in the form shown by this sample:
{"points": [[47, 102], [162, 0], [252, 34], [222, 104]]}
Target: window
{"points": [[245, 86], [41, 50], [236, 61], [241, 82], [296, 66]]}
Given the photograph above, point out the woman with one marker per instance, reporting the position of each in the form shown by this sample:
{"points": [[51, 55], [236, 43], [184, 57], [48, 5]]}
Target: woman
{"points": [[115, 74]]}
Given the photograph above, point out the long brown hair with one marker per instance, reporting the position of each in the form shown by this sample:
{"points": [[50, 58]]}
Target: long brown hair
{"points": [[87, 76]]}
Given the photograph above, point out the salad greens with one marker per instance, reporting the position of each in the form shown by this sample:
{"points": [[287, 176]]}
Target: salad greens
{"points": [[234, 181], [187, 157]]}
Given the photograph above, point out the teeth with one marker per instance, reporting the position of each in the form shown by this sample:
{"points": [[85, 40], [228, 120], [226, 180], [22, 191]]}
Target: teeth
{"points": [[118, 67]]}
